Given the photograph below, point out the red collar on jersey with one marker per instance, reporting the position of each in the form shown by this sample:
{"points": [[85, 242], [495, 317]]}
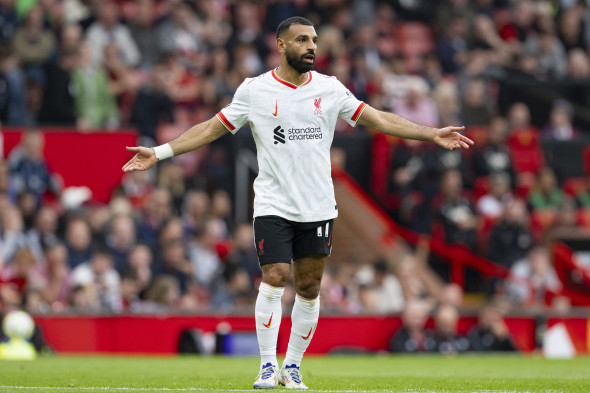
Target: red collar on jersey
{"points": [[289, 84]]}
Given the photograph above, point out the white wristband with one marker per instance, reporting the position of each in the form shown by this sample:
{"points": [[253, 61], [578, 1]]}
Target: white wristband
{"points": [[163, 151]]}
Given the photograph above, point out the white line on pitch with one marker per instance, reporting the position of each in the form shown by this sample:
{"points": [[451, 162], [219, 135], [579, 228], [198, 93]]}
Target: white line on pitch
{"points": [[131, 389]]}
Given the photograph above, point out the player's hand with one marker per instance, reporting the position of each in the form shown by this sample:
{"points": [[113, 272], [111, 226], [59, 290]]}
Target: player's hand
{"points": [[450, 138], [144, 159]]}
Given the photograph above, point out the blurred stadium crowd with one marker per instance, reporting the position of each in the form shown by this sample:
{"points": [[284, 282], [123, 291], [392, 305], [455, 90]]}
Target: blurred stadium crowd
{"points": [[167, 240]]}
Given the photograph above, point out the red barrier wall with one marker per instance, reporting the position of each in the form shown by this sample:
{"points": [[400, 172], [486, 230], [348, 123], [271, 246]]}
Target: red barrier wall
{"points": [[160, 334], [93, 160]]}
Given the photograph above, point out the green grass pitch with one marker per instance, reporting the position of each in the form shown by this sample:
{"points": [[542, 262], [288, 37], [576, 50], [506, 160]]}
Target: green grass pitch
{"points": [[335, 374]]}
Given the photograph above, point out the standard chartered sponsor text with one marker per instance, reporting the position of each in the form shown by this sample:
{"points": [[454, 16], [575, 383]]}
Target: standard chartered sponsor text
{"points": [[298, 134]]}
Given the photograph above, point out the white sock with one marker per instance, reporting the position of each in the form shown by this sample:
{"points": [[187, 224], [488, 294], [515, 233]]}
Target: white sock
{"points": [[304, 319], [268, 313]]}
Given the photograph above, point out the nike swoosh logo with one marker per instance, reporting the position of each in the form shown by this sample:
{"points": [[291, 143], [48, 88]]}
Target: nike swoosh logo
{"points": [[308, 334], [276, 110], [267, 325]]}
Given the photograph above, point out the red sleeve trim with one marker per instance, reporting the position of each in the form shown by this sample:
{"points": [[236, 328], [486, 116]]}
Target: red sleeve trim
{"points": [[225, 122], [358, 112]]}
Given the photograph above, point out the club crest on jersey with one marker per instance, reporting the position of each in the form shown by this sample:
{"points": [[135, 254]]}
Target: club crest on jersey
{"points": [[317, 102]]}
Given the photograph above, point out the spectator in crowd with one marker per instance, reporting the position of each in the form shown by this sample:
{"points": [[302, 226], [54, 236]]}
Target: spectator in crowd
{"points": [[179, 35], [171, 177], [28, 169], [156, 210], [546, 195], [578, 65], [70, 37], [560, 125], [94, 102], [510, 239], [411, 166], [140, 262], [120, 240], [17, 273], [550, 52], [44, 232], [78, 241], [57, 106], [137, 188], [570, 29], [130, 291], [171, 231], [8, 20], [221, 209], [389, 294], [99, 276], [446, 96], [142, 26], [26, 203], [519, 117], [243, 254], [454, 212], [412, 337], [494, 156], [490, 334], [203, 253], [180, 83], [566, 220], [33, 44], [164, 294], [452, 48], [381, 290], [123, 82], [173, 262], [83, 299], [12, 235], [475, 105], [196, 210], [107, 29], [13, 109], [533, 278], [152, 106], [447, 340], [417, 105], [54, 276], [492, 205]]}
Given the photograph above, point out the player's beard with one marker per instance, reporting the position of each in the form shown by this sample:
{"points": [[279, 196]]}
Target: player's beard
{"points": [[298, 63]]}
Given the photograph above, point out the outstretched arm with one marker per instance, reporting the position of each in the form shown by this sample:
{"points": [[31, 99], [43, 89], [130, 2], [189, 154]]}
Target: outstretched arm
{"points": [[191, 139], [392, 124]]}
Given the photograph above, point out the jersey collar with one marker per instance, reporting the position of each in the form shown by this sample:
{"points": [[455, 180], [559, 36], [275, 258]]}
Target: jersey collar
{"points": [[289, 84]]}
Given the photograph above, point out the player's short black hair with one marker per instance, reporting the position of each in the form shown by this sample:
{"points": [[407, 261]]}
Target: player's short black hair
{"points": [[294, 20]]}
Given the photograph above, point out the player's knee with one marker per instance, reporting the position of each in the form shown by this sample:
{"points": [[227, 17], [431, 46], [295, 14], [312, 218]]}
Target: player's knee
{"points": [[308, 288], [275, 274]]}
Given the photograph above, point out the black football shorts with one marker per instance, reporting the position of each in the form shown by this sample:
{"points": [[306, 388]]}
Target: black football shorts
{"points": [[280, 240]]}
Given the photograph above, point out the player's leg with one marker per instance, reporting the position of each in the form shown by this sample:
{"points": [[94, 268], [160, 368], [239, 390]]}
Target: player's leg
{"points": [[308, 271], [273, 238]]}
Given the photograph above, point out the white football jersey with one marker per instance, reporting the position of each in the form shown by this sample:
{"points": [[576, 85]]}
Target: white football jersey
{"points": [[293, 127]]}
